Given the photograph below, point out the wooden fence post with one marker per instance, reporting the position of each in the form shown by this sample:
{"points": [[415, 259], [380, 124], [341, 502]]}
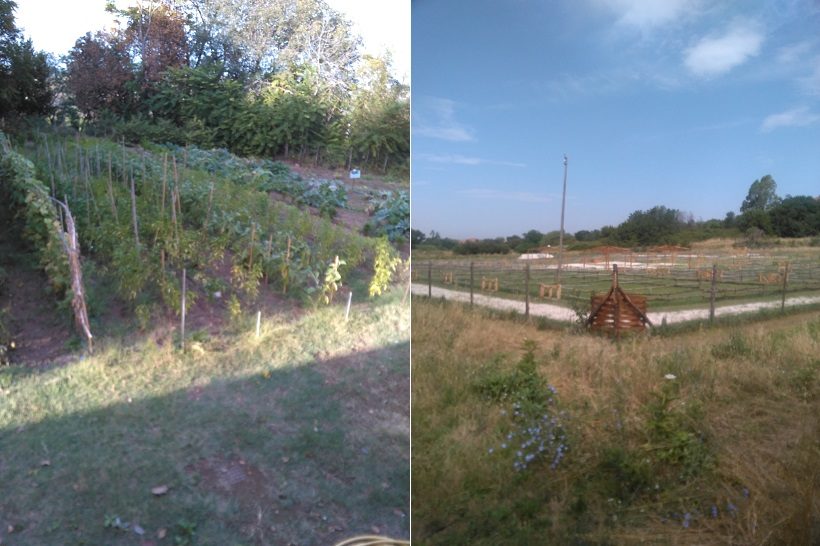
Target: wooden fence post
{"points": [[527, 290], [785, 283], [471, 284], [712, 292], [429, 279]]}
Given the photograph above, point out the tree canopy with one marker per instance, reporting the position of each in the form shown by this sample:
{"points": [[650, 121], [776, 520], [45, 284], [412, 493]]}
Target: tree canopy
{"points": [[762, 195], [277, 78], [24, 72]]}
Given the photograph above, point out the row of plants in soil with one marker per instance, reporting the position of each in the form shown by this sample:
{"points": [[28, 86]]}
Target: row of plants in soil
{"points": [[264, 174], [145, 215]]}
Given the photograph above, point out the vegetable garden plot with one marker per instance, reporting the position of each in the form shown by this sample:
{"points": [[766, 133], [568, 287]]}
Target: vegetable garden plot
{"points": [[144, 215]]}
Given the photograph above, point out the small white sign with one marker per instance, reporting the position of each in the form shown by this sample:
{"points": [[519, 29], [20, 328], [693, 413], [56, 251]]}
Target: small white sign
{"points": [[355, 173]]}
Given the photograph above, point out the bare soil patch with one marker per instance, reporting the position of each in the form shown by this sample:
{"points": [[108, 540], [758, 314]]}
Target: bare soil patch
{"points": [[39, 329]]}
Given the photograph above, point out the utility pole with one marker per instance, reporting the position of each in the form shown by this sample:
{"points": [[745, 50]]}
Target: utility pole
{"points": [[561, 236]]}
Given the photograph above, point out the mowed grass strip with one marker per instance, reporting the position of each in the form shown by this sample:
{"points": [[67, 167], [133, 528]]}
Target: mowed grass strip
{"points": [[300, 436], [701, 437]]}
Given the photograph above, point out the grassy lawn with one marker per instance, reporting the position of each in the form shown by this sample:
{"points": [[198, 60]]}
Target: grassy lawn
{"points": [[300, 436], [702, 436]]}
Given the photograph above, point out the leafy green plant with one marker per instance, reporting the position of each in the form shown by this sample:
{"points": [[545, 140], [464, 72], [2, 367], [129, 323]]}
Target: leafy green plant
{"points": [[674, 438], [234, 308], [384, 265], [332, 280], [735, 347], [390, 213], [184, 533], [537, 425]]}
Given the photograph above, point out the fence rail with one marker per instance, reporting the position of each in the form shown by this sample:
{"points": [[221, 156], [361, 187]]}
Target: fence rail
{"points": [[666, 283]]}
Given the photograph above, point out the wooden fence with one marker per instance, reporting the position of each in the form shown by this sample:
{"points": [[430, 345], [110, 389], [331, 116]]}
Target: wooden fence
{"points": [[664, 284]]}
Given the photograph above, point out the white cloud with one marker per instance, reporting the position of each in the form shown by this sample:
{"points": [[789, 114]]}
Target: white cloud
{"points": [[465, 160], [796, 117], [646, 14], [435, 118], [716, 55], [522, 196]]}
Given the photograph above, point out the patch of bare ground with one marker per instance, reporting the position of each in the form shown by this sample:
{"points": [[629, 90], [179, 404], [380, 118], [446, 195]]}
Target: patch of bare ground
{"points": [[266, 513], [40, 330], [207, 310]]}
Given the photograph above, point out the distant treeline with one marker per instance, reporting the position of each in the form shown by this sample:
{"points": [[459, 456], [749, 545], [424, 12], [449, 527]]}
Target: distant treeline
{"points": [[276, 78], [763, 215]]}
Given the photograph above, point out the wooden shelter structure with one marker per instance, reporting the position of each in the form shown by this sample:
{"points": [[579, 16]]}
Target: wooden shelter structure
{"points": [[616, 311]]}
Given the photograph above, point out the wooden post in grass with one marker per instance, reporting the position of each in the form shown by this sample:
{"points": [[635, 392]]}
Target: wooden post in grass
{"points": [[258, 322], [785, 283], [712, 292], [527, 290], [182, 323], [429, 279], [471, 283], [349, 301]]}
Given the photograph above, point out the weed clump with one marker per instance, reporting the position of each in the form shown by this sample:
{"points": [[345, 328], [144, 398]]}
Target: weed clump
{"points": [[536, 425]]}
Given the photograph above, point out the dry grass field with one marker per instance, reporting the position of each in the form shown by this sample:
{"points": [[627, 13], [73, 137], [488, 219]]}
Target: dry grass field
{"points": [[700, 436]]}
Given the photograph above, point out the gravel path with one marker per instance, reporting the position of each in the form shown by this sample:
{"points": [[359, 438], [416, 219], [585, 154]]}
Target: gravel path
{"points": [[556, 312]]}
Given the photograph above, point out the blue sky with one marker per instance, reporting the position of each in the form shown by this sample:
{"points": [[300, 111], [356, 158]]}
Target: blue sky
{"points": [[682, 103]]}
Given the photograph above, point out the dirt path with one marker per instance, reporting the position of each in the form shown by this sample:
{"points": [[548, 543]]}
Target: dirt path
{"points": [[556, 312]]}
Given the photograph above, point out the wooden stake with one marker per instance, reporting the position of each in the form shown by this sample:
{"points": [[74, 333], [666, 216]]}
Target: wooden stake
{"points": [[471, 283], [164, 181], [71, 244], [258, 322], [429, 279], [712, 293], [111, 192], [347, 309], [785, 283]]}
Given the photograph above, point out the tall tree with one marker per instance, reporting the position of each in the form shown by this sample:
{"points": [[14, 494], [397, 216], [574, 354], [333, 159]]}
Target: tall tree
{"points": [[656, 225], [155, 35], [762, 195], [797, 216], [255, 38], [24, 72], [380, 118], [99, 74]]}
